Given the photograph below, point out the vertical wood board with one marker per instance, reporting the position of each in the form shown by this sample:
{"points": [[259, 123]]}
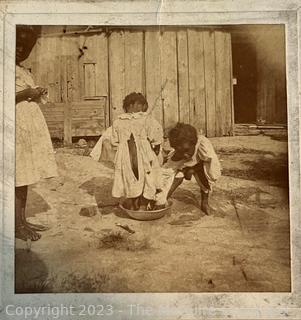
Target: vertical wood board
{"points": [[169, 78], [117, 70], [197, 107], [152, 74], [209, 56], [133, 57], [227, 128], [223, 93], [101, 65], [183, 76]]}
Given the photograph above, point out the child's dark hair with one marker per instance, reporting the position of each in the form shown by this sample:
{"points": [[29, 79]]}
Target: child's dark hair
{"points": [[182, 133], [132, 98]]}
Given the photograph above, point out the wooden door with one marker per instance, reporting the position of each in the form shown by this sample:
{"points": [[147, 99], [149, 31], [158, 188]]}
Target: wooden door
{"points": [[245, 91]]}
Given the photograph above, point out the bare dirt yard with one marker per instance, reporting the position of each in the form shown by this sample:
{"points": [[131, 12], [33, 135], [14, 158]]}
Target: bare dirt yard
{"points": [[244, 245]]}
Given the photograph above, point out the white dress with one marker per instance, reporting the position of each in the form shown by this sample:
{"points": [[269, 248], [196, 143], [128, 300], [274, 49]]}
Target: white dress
{"points": [[104, 151], [34, 152], [145, 130]]}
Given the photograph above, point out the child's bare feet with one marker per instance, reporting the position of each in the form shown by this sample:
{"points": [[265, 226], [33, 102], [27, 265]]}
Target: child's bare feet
{"points": [[131, 203], [36, 227], [127, 204], [22, 233], [150, 205], [160, 206], [34, 236], [136, 204], [205, 203], [25, 233]]}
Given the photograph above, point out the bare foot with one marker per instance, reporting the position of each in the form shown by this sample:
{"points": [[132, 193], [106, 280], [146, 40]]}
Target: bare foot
{"points": [[205, 208], [34, 236], [136, 204], [205, 203], [36, 227], [160, 207], [22, 233], [25, 233]]}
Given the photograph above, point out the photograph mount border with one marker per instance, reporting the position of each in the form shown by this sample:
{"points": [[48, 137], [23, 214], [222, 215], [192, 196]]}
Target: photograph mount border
{"points": [[204, 305]]}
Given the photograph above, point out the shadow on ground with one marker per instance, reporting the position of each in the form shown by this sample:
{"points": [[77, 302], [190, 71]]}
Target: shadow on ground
{"points": [[36, 205], [101, 189], [257, 165], [27, 278]]}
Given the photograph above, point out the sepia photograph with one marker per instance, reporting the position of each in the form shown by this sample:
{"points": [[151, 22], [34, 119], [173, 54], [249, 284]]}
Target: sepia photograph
{"points": [[151, 159]]}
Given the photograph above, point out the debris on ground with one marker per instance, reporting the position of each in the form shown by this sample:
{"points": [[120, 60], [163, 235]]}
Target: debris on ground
{"points": [[89, 211], [121, 241], [125, 227]]}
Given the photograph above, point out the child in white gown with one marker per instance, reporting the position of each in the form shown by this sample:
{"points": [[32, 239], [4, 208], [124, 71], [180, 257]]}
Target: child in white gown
{"points": [[136, 138], [35, 158]]}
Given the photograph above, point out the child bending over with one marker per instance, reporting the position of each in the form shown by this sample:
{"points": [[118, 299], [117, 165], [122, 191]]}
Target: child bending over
{"points": [[193, 155], [137, 137]]}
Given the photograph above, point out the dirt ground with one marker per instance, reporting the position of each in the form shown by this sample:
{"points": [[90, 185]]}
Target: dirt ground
{"points": [[244, 245]]}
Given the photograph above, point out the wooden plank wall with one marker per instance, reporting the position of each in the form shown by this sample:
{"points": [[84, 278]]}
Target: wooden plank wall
{"points": [[152, 74], [169, 80], [186, 75], [183, 76], [77, 84], [223, 71], [197, 106], [116, 70]]}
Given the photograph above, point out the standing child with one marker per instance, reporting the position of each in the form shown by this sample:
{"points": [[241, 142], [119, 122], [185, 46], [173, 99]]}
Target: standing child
{"points": [[34, 153], [137, 137], [193, 155]]}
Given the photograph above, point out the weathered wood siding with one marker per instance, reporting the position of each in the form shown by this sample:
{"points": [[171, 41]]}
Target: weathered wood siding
{"points": [[186, 75], [77, 84], [271, 85]]}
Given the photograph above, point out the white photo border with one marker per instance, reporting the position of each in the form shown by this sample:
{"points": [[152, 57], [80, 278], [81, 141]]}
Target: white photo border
{"points": [[143, 12]]}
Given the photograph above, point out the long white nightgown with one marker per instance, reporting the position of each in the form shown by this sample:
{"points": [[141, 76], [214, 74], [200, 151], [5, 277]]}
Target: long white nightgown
{"points": [[145, 131], [34, 152]]}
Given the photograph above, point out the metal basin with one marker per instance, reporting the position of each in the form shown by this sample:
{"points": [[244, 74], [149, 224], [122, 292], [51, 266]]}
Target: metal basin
{"points": [[146, 215]]}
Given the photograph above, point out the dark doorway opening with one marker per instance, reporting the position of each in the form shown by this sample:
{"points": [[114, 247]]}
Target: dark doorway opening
{"points": [[245, 85]]}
